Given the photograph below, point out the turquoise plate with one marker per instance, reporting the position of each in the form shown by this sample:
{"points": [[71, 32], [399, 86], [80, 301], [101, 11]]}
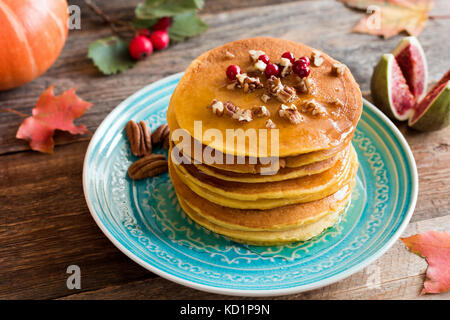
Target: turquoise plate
{"points": [[144, 220]]}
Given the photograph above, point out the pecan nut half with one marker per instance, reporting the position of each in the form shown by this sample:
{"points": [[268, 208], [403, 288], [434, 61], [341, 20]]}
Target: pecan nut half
{"points": [[230, 109], [139, 136], [282, 93], [249, 84], [287, 94], [148, 166], [290, 113], [314, 108], [261, 111], [216, 107], [160, 135]]}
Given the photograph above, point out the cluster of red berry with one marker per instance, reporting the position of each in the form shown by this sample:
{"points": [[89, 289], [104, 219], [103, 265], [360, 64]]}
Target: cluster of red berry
{"points": [[300, 67], [143, 43]]}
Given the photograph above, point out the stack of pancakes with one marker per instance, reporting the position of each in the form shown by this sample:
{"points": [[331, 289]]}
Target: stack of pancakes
{"points": [[313, 175]]}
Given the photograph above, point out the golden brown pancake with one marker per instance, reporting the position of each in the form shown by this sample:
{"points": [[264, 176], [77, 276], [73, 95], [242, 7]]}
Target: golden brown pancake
{"points": [[282, 174], [266, 203], [251, 167], [313, 166], [266, 238], [281, 218], [205, 80], [291, 188]]}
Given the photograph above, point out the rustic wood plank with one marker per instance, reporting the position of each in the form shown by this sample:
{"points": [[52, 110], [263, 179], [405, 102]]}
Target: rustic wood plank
{"points": [[46, 226], [398, 274], [44, 222], [321, 24]]}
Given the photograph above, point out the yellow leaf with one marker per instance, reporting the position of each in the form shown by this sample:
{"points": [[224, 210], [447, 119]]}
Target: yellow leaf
{"points": [[390, 17]]}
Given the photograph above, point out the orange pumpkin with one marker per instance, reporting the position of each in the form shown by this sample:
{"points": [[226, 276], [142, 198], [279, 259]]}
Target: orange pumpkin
{"points": [[32, 34]]}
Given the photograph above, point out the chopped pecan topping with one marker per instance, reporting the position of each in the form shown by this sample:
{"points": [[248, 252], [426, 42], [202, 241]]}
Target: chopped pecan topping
{"points": [[230, 109], [216, 107], [255, 54], [314, 108], [270, 124], [283, 93], [337, 102], [316, 58], [148, 166], [285, 67], [260, 66], [243, 115], [301, 85], [249, 84], [338, 69], [290, 113], [287, 94], [305, 85], [265, 98], [260, 111], [274, 85], [140, 138], [232, 85], [161, 135], [229, 55]]}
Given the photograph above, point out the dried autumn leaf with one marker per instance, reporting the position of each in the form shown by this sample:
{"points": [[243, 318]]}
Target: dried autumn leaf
{"points": [[434, 246], [390, 17], [52, 113]]}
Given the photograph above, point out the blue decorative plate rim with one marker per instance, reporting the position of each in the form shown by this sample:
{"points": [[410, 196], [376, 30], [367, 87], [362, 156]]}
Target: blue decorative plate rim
{"points": [[94, 204]]}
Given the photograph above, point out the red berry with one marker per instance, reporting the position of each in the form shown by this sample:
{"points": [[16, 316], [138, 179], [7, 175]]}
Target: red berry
{"points": [[297, 66], [289, 55], [232, 71], [160, 39], [305, 60], [304, 72], [272, 70], [162, 24], [144, 32], [140, 47], [264, 58]]}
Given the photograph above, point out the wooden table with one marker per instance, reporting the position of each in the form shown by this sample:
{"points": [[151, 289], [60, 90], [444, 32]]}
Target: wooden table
{"points": [[45, 224]]}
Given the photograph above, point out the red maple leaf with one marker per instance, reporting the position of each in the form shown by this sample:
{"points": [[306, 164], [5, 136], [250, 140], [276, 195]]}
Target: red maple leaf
{"points": [[52, 113], [434, 246]]}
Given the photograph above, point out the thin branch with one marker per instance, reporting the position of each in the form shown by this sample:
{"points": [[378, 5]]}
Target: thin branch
{"points": [[14, 111], [439, 17], [113, 23]]}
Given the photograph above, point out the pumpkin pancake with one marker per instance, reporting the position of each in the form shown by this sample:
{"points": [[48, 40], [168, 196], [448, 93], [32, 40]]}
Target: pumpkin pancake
{"points": [[282, 174], [291, 188], [266, 238], [270, 201], [277, 219], [205, 80], [253, 165]]}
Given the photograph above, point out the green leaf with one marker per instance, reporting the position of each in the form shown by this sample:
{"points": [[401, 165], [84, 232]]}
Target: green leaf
{"points": [[151, 9], [144, 23], [186, 25], [110, 55]]}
